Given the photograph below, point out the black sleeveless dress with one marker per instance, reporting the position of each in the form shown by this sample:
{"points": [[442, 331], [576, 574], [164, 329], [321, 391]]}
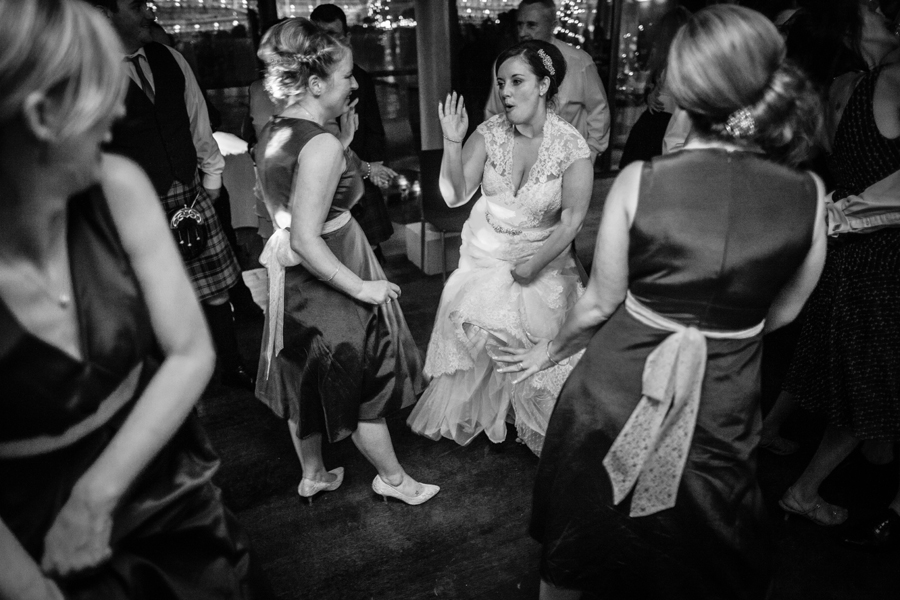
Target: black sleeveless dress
{"points": [[343, 360], [172, 537], [847, 362], [716, 235]]}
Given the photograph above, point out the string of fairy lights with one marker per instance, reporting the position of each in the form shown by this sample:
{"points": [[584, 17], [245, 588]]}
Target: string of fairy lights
{"points": [[215, 15]]}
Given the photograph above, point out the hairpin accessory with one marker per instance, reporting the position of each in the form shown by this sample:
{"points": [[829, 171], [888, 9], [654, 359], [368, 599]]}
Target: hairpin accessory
{"points": [[548, 62], [740, 124]]}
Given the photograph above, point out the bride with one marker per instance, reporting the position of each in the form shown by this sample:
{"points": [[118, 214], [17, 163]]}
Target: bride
{"points": [[517, 275]]}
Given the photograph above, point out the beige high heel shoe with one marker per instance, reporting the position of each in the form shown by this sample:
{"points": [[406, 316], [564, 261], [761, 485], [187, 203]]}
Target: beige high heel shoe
{"points": [[385, 489], [309, 488]]}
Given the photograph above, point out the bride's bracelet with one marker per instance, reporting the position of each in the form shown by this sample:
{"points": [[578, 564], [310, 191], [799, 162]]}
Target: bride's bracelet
{"points": [[452, 140], [564, 362]]}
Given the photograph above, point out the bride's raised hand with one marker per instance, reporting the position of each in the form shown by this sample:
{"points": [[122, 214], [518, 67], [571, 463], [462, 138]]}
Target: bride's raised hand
{"points": [[454, 120]]}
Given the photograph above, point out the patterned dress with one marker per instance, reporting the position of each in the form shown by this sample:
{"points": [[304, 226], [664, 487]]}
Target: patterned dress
{"points": [[482, 307], [847, 362]]}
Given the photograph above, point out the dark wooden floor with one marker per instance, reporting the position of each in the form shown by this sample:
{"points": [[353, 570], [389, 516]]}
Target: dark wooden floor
{"points": [[471, 541]]}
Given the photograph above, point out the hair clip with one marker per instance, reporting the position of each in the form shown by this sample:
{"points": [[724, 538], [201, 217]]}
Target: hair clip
{"points": [[548, 62], [740, 124]]}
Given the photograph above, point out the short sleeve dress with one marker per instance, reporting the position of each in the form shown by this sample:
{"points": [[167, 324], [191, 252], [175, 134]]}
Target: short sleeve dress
{"points": [[716, 235], [482, 307]]}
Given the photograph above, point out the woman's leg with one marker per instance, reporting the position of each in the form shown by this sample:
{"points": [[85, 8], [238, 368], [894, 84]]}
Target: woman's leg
{"points": [[374, 441], [771, 438], [309, 451], [836, 445], [550, 592]]}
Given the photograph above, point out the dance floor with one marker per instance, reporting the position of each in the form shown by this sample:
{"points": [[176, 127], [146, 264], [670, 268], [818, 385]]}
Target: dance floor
{"points": [[471, 541]]}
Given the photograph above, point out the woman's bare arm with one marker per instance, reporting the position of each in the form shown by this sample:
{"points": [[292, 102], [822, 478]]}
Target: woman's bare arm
{"points": [[794, 294], [79, 537], [319, 169], [462, 166], [606, 288]]}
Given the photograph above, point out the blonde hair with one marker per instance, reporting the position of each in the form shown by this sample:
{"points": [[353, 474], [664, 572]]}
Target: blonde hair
{"points": [[728, 58], [294, 51], [65, 49]]}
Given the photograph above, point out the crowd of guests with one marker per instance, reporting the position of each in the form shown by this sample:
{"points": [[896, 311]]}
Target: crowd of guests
{"points": [[637, 384]]}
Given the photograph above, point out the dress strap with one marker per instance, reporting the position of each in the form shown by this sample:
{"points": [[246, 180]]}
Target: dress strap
{"points": [[650, 452]]}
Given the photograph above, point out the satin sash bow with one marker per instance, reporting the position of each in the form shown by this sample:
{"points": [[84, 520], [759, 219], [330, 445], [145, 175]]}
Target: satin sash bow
{"points": [[650, 452], [277, 255]]}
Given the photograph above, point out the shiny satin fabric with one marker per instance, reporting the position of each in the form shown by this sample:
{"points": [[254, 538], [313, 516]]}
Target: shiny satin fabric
{"points": [[172, 537], [715, 236], [715, 542], [343, 360]]}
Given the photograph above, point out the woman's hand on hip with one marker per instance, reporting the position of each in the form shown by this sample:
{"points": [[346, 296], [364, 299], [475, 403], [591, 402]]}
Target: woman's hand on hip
{"points": [[454, 120], [79, 538], [522, 362], [378, 292]]}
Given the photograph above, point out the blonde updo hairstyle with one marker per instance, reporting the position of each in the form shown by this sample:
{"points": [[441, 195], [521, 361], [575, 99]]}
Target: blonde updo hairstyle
{"points": [[68, 51], [727, 58], [294, 51]]}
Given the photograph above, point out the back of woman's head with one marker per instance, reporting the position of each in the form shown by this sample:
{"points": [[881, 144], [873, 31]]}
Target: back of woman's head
{"points": [[727, 69], [294, 51], [66, 50], [544, 59]]}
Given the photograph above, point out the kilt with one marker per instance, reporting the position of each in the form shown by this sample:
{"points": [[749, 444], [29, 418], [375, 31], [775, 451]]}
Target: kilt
{"points": [[216, 269]]}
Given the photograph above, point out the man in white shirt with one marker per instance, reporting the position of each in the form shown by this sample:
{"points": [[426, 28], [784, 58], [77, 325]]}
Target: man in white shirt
{"points": [[581, 101], [166, 131]]}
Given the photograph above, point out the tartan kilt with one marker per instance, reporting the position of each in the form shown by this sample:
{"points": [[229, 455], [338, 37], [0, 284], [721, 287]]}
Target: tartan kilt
{"points": [[216, 269], [372, 215]]}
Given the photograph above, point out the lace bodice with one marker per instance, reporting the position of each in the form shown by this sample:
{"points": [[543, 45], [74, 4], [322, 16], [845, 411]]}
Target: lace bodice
{"points": [[537, 203]]}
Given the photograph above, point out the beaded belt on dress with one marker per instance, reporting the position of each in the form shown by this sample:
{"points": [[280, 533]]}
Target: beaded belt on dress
{"points": [[650, 452], [277, 255]]}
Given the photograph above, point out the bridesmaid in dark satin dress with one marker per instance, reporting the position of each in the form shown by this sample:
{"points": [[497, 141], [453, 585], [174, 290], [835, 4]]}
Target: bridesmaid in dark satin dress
{"points": [[337, 356], [105, 474], [647, 482]]}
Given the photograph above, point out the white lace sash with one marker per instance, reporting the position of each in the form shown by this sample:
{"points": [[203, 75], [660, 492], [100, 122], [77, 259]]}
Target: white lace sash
{"points": [[277, 255], [650, 452]]}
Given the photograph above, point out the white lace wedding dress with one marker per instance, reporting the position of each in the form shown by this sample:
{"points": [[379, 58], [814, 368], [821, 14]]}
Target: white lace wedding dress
{"points": [[483, 308]]}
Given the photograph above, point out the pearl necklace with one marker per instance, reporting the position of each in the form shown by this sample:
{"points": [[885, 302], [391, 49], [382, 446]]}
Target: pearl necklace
{"points": [[62, 299]]}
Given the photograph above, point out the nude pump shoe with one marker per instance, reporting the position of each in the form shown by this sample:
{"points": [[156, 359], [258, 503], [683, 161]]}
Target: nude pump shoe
{"points": [[309, 488], [385, 489]]}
